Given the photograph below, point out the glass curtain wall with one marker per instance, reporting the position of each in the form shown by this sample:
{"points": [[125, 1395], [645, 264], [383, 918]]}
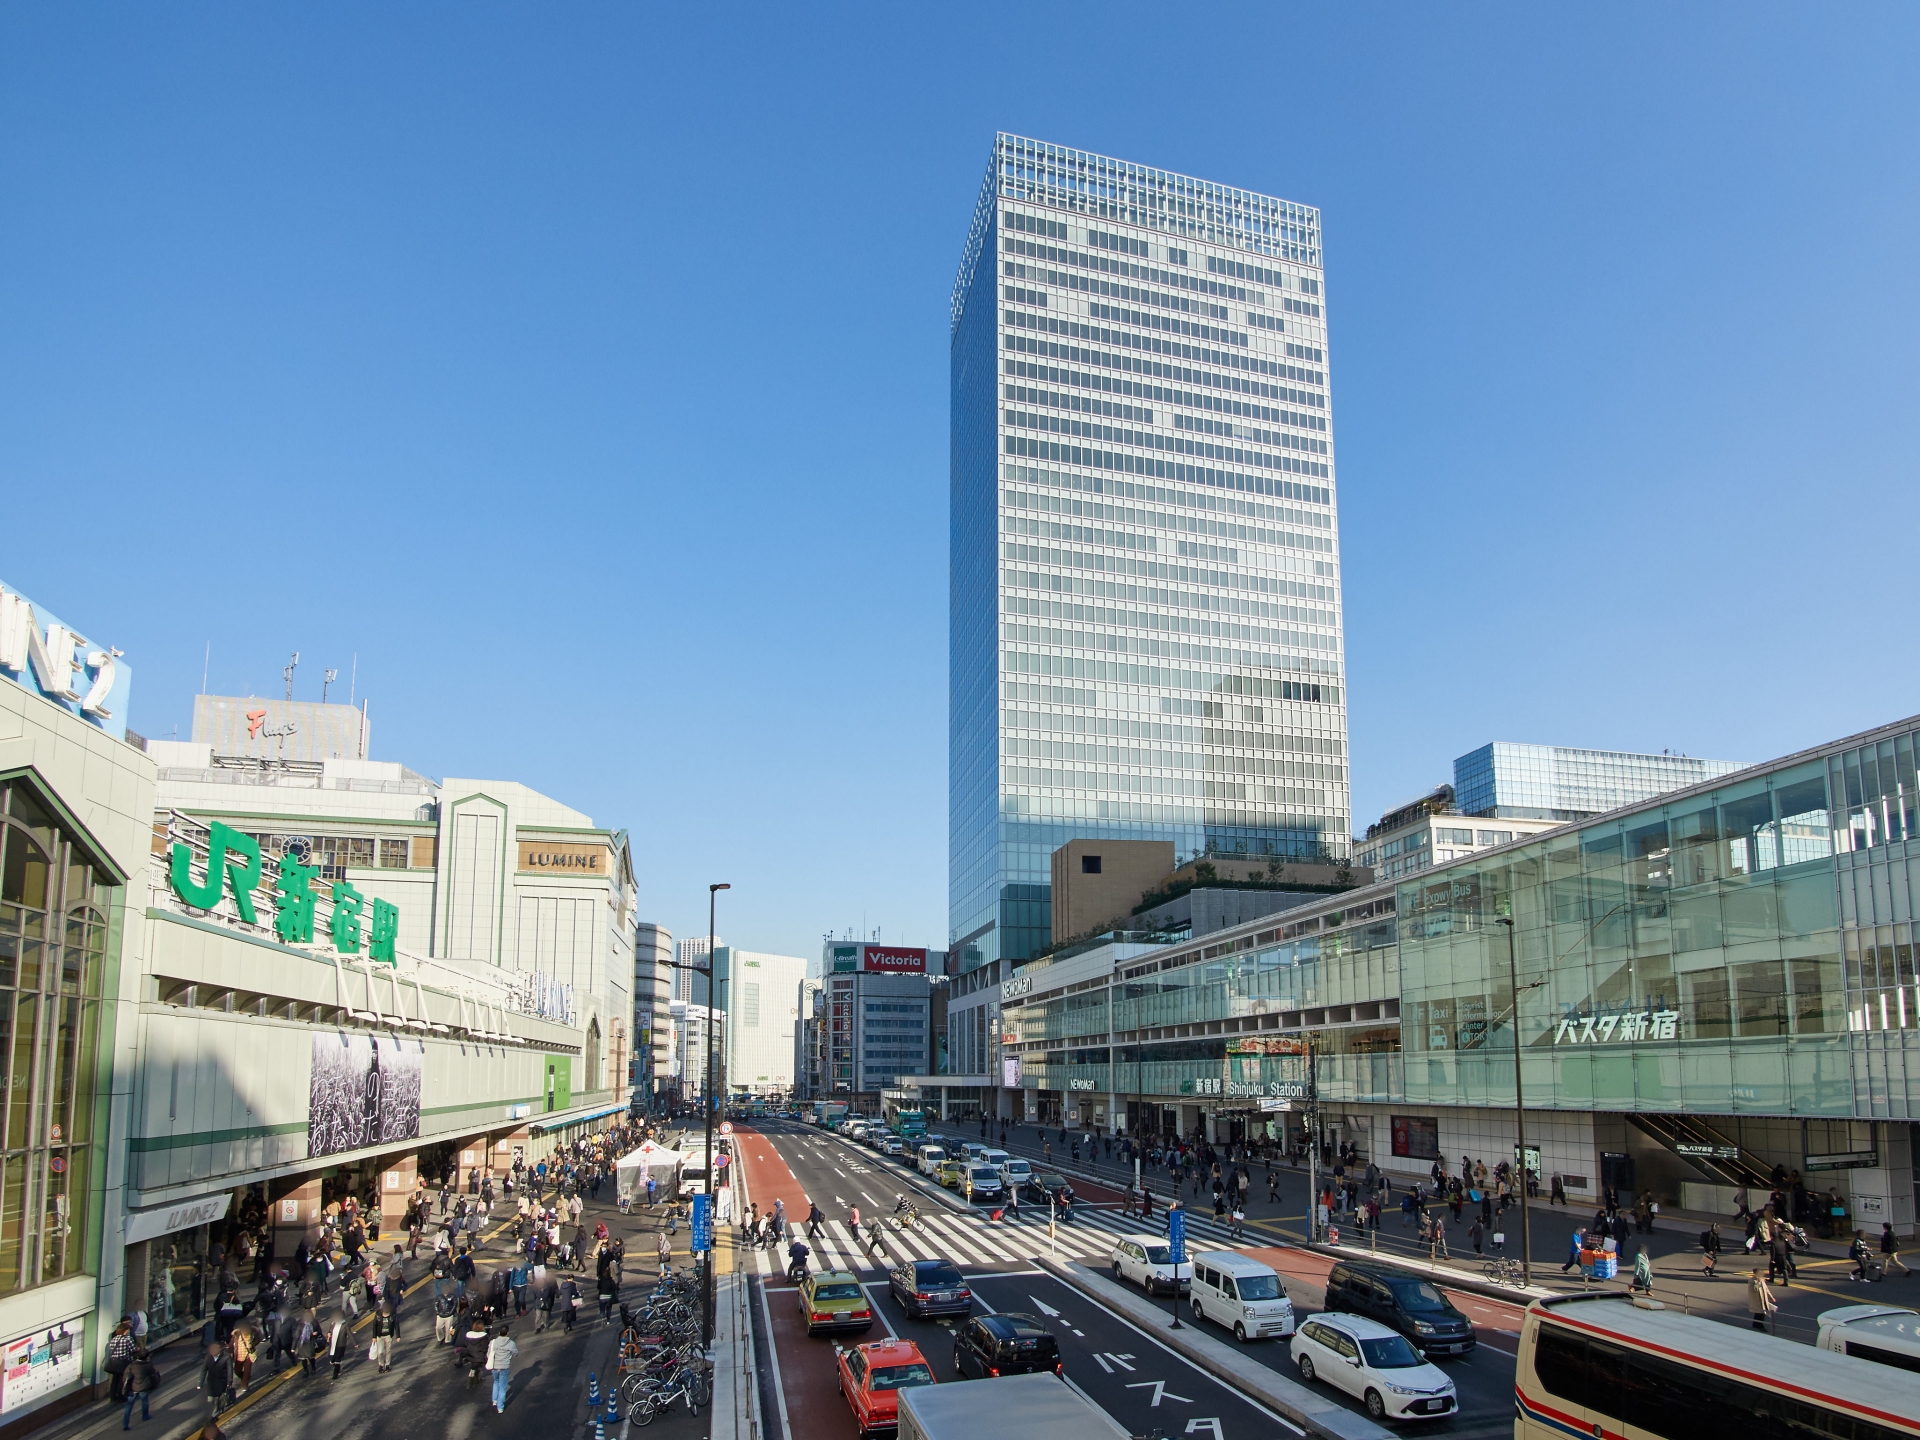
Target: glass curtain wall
{"points": [[56, 909], [1691, 957]]}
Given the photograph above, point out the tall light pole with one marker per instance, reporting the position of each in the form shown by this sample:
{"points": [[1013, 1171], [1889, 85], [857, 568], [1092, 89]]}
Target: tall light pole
{"points": [[1519, 1107], [713, 1170]]}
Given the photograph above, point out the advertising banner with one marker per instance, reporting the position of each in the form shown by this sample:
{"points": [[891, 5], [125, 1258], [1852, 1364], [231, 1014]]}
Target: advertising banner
{"points": [[1266, 1045], [1416, 1137], [1010, 1071], [702, 1239], [39, 1364], [893, 960], [1177, 1235], [364, 1090]]}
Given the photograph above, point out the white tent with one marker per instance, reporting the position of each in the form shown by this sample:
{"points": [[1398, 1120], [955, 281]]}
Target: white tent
{"points": [[632, 1169]]}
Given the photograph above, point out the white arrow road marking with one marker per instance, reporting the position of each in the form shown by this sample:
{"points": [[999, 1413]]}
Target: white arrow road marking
{"points": [[1198, 1427], [1159, 1388], [1103, 1362], [1120, 1359], [1045, 1309]]}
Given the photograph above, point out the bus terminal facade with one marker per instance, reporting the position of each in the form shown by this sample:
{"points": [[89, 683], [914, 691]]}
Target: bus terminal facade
{"points": [[1717, 988]]}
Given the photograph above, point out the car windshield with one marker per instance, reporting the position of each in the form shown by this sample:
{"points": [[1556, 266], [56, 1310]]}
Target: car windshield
{"points": [[1019, 1167], [1418, 1295], [899, 1377], [836, 1292], [1049, 1180], [938, 1274], [1391, 1353], [982, 1172], [1258, 1287], [1159, 1254]]}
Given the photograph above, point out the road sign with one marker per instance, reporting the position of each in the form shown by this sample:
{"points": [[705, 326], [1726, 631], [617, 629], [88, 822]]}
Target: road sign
{"points": [[726, 1127], [1177, 1234], [702, 1224], [1273, 1106]]}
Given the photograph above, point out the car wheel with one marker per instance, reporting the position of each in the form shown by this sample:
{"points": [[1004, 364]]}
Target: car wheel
{"points": [[1239, 1332], [1117, 1274], [1306, 1368], [1376, 1407], [1196, 1310]]}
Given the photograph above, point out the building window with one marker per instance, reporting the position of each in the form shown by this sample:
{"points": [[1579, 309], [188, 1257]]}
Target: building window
{"points": [[54, 909], [1089, 864], [393, 854]]}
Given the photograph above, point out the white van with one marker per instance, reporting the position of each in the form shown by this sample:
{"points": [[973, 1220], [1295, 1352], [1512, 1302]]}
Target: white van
{"points": [[1240, 1293], [1014, 1171], [928, 1157], [997, 1159]]}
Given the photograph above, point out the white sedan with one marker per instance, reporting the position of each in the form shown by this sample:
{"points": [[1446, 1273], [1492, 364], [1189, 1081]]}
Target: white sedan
{"points": [[1147, 1261], [1367, 1360]]}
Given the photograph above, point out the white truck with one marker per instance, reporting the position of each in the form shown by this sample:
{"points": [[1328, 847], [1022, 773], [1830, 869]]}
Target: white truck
{"points": [[1039, 1406]]}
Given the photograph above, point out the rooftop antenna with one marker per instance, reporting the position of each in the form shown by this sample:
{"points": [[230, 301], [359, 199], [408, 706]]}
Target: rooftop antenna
{"points": [[353, 679], [206, 663], [287, 674], [327, 678]]}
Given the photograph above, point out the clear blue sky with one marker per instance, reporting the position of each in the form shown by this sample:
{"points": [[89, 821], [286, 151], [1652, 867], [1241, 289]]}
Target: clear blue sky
{"points": [[584, 370]]}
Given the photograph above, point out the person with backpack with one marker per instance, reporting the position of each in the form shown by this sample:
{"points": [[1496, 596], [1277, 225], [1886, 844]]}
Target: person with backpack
{"points": [[120, 1348], [139, 1382]]}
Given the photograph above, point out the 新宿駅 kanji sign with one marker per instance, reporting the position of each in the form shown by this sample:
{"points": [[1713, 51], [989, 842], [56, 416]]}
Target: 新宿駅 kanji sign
{"points": [[234, 868]]}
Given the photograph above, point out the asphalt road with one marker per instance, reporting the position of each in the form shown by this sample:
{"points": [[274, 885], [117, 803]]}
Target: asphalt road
{"points": [[1123, 1368]]}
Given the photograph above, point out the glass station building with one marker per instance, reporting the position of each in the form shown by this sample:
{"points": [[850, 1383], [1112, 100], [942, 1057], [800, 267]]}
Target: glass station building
{"points": [[1713, 983]]}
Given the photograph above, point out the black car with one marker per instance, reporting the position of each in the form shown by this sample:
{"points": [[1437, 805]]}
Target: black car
{"points": [[1008, 1344], [1417, 1308], [1045, 1185], [930, 1287]]}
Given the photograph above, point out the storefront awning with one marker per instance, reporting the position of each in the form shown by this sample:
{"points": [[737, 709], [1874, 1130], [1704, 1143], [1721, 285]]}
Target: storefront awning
{"points": [[548, 1123]]}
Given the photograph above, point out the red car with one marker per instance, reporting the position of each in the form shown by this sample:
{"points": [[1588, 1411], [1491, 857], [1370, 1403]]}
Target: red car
{"points": [[871, 1377]]}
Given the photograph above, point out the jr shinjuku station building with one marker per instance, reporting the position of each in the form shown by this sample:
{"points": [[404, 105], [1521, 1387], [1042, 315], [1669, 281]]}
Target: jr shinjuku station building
{"points": [[1145, 634]]}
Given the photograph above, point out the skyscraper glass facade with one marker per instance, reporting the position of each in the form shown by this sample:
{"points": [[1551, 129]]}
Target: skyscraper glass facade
{"points": [[1145, 612], [1555, 782]]}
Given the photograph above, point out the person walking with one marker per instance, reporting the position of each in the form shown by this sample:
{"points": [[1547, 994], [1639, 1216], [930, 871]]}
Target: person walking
{"points": [[443, 1312], [337, 1343], [120, 1348], [500, 1355], [140, 1381], [1760, 1301], [216, 1378], [385, 1329], [1709, 1248], [1890, 1252], [569, 1302], [665, 1248]]}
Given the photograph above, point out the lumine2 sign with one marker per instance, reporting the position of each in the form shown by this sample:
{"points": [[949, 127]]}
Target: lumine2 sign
{"points": [[234, 868], [60, 664]]}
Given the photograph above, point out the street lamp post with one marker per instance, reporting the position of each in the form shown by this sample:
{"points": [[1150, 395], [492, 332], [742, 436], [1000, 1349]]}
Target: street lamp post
{"points": [[1519, 1108], [713, 1170]]}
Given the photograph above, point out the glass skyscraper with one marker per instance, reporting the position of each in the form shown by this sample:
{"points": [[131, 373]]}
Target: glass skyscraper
{"points": [[1558, 782], [1145, 634]]}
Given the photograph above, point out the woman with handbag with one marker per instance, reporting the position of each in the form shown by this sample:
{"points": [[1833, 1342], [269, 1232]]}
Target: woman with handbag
{"points": [[120, 1348]]}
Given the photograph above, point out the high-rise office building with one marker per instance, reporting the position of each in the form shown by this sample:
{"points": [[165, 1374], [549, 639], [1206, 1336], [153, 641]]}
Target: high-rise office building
{"points": [[1558, 782], [690, 984], [1145, 636]]}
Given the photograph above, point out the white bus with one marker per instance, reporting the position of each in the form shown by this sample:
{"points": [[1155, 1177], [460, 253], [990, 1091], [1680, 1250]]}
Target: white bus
{"points": [[1886, 1334], [1610, 1367]]}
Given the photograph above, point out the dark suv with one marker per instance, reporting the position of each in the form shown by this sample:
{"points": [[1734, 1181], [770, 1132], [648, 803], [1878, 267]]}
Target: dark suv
{"points": [[1008, 1344], [930, 1287], [1417, 1308]]}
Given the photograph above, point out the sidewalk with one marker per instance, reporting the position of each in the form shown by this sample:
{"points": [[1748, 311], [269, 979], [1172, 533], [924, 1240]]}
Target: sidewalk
{"points": [[178, 1408]]}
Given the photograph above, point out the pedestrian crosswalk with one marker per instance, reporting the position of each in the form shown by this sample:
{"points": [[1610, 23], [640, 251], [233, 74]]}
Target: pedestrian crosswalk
{"points": [[974, 1238]]}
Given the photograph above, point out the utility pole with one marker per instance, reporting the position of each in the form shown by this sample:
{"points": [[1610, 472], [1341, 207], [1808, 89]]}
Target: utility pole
{"points": [[713, 1170], [1313, 1145], [1519, 1107]]}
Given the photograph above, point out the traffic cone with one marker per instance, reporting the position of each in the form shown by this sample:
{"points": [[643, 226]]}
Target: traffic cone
{"points": [[613, 1407], [593, 1392], [599, 1429]]}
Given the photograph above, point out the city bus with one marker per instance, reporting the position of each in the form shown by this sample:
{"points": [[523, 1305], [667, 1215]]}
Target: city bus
{"points": [[1606, 1366]]}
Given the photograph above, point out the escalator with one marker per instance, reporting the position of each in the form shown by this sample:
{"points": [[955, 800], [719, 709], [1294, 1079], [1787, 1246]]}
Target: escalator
{"points": [[1705, 1148]]}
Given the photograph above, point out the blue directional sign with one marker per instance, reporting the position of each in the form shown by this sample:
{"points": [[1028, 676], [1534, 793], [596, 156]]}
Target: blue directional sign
{"points": [[1177, 1234], [702, 1223]]}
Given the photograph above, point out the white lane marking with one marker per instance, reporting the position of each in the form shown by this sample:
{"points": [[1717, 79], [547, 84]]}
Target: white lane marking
{"points": [[1044, 1308], [1194, 1427], [1159, 1388], [773, 1356], [1247, 1399], [1101, 1360], [878, 1313]]}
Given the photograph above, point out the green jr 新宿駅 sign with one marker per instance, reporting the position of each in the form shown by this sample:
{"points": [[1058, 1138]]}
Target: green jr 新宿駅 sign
{"points": [[234, 867]]}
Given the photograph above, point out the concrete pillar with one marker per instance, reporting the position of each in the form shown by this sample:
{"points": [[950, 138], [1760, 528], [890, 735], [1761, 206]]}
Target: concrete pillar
{"points": [[474, 1154], [396, 1189], [294, 1209]]}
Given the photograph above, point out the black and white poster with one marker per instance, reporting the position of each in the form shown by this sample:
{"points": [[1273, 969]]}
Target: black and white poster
{"points": [[365, 1090]]}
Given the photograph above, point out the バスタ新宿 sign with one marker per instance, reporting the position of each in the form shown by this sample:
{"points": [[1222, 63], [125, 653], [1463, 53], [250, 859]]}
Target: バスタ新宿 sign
{"points": [[1616, 1026]]}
